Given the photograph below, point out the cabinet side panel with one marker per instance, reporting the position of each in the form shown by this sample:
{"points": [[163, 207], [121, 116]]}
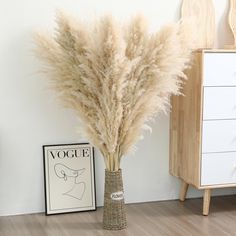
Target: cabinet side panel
{"points": [[185, 127]]}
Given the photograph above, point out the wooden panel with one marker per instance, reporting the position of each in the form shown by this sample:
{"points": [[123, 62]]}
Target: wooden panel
{"points": [[203, 15], [219, 103], [219, 69], [222, 50], [185, 127], [219, 136], [218, 168], [232, 19], [214, 186]]}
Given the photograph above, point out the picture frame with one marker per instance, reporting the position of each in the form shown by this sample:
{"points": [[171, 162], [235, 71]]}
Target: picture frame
{"points": [[69, 178]]}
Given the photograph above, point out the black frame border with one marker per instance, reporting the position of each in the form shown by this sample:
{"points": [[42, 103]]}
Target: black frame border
{"points": [[45, 188]]}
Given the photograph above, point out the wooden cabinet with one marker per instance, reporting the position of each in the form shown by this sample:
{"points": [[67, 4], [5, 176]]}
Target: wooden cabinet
{"points": [[203, 125]]}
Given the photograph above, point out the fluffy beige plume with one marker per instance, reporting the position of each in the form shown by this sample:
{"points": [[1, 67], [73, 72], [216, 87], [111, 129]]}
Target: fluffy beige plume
{"points": [[116, 79]]}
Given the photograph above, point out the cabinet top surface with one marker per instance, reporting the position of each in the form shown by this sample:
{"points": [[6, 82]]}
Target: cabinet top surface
{"points": [[216, 50]]}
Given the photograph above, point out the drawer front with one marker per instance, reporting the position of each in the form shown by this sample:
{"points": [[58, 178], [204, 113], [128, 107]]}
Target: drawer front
{"points": [[218, 168], [219, 69], [219, 103], [219, 136]]}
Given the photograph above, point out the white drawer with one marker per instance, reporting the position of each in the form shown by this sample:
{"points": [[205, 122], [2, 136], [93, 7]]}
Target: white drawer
{"points": [[219, 136], [218, 168], [219, 69], [219, 103]]}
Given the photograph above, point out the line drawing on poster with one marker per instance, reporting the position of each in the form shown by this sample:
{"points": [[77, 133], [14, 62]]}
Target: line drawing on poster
{"points": [[64, 172]]}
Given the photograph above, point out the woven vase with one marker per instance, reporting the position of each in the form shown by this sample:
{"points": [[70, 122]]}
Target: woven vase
{"points": [[114, 216]]}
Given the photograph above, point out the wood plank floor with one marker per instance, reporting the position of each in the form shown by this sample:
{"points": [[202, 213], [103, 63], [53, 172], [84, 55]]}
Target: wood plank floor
{"points": [[147, 219]]}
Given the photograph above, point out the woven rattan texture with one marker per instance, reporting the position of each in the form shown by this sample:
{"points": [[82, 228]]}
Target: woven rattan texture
{"points": [[114, 216]]}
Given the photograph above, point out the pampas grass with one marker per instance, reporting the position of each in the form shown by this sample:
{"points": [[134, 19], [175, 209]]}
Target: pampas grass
{"points": [[115, 78]]}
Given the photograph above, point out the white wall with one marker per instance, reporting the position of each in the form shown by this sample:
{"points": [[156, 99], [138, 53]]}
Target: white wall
{"points": [[30, 115]]}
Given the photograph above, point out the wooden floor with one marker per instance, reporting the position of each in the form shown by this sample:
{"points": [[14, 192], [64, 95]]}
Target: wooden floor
{"points": [[147, 219]]}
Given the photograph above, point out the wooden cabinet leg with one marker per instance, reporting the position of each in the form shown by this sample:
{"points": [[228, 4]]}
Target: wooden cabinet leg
{"points": [[183, 191], [206, 201]]}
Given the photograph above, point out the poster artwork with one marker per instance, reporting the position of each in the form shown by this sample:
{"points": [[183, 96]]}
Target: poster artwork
{"points": [[69, 178]]}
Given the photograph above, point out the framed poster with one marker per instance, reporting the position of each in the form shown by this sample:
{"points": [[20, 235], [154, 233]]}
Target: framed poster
{"points": [[69, 178]]}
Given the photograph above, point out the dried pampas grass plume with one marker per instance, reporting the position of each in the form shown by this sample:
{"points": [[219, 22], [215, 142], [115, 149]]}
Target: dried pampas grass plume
{"points": [[115, 78]]}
